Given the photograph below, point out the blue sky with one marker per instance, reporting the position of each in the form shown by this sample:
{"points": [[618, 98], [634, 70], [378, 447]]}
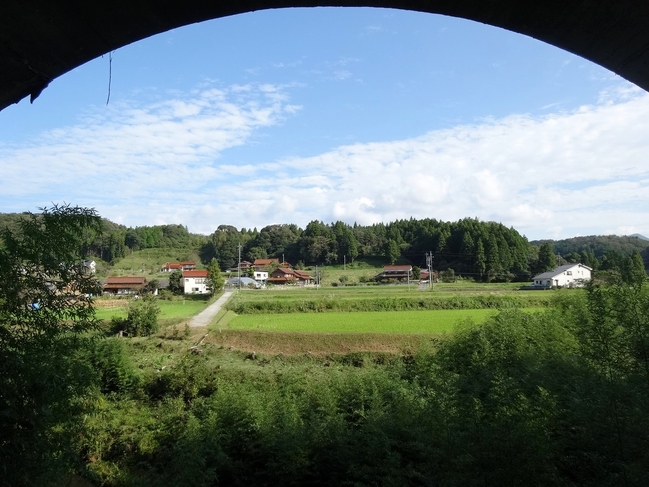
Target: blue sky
{"points": [[361, 115]]}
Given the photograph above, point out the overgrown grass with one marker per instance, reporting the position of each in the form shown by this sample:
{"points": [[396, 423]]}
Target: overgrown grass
{"points": [[399, 322], [522, 399], [353, 301]]}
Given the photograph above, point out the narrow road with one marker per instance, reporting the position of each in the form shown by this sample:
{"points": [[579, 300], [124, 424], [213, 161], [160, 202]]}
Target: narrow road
{"points": [[207, 315]]}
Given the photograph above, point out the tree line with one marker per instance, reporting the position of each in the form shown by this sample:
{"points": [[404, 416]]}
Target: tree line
{"points": [[484, 251]]}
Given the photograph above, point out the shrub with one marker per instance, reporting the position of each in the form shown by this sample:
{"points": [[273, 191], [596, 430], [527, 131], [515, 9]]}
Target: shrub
{"points": [[114, 369], [165, 294], [142, 317]]}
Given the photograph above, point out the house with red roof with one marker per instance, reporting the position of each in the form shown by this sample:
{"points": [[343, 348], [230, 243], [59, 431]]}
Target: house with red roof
{"points": [[195, 282], [266, 264], [123, 285], [284, 275], [172, 267]]}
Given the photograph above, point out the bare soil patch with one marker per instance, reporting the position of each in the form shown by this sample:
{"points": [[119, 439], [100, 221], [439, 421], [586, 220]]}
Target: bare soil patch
{"points": [[111, 303]]}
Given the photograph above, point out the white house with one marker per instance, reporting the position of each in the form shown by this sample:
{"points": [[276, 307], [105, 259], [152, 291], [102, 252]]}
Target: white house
{"points": [[261, 276], [569, 275], [89, 267], [195, 282]]}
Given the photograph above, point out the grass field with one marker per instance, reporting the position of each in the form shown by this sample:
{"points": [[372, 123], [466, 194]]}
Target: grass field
{"points": [[169, 310], [384, 298], [384, 319], [399, 322]]}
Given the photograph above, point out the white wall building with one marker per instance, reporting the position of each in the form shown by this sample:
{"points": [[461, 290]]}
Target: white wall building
{"points": [[195, 282], [569, 275], [260, 276]]}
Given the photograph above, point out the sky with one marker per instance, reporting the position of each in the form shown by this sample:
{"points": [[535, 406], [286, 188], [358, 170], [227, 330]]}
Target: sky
{"points": [[354, 114]]}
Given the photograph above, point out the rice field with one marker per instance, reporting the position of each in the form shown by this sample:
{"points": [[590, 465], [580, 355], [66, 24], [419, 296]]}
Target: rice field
{"points": [[390, 322]]}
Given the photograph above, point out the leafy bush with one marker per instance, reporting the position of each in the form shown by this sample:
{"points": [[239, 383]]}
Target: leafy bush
{"points": [[142, 317], [115, 371]]}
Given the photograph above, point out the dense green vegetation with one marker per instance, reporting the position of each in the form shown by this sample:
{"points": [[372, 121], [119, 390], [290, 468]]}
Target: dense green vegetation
{"points": [[46, 322], [550, 398], [483, 251], [554, 397]]}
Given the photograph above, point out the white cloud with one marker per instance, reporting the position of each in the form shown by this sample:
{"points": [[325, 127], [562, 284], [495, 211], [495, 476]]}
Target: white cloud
{"points": [[559, 175]]}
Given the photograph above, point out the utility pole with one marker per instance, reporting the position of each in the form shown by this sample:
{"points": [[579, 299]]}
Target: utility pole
{"points": [[429, 264], [409, 279], [239, 266]]}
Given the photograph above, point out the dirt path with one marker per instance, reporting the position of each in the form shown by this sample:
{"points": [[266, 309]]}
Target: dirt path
{"points": [[207, 315]]}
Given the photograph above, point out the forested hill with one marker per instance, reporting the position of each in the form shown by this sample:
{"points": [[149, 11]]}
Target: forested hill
{"points": [[600, 247], [472, 248]]}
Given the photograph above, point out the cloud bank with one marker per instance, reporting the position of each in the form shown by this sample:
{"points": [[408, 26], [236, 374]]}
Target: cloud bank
{"points": [[559, 175]]}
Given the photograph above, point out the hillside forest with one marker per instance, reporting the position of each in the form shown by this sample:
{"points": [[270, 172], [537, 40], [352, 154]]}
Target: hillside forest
{"points": [[484, 251]]}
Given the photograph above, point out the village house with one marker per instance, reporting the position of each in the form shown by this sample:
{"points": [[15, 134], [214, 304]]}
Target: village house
{"points": [[303, 277], [120, 285], [569, 275], [284, 275], [188, 265], [244, 267], [424, 274], [171, 267], [195, 282], [267, 264], [89, 267], [264, 264], [260, 276], [398, 272]]}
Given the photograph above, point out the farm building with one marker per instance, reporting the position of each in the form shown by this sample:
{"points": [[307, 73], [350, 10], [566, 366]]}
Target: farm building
{"points": [[399, 272], [122, 285], [569, 275]]}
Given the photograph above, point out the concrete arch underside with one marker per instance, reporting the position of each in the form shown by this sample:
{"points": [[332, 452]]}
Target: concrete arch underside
{"points": [[43, 39]]}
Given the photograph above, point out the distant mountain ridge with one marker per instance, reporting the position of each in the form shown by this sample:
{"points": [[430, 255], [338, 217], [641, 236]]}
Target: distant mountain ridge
{"points": [[641, 237], [598, 244]]}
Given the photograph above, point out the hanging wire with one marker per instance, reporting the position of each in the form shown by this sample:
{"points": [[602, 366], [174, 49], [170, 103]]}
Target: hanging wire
{"points": [[110, 74]]}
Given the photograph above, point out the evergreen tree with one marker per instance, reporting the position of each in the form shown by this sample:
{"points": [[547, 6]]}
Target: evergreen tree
{"points": [[633, 270], [547, 260], [176, 282], [480, 260], [392, 251], [215, 280]]}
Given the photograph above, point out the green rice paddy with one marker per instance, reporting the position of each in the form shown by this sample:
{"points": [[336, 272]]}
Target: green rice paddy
{"points": [[398, 322]]}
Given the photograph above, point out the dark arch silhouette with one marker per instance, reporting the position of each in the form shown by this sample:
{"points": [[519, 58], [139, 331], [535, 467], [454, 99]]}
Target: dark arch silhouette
{"points": [[43, 39]]}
